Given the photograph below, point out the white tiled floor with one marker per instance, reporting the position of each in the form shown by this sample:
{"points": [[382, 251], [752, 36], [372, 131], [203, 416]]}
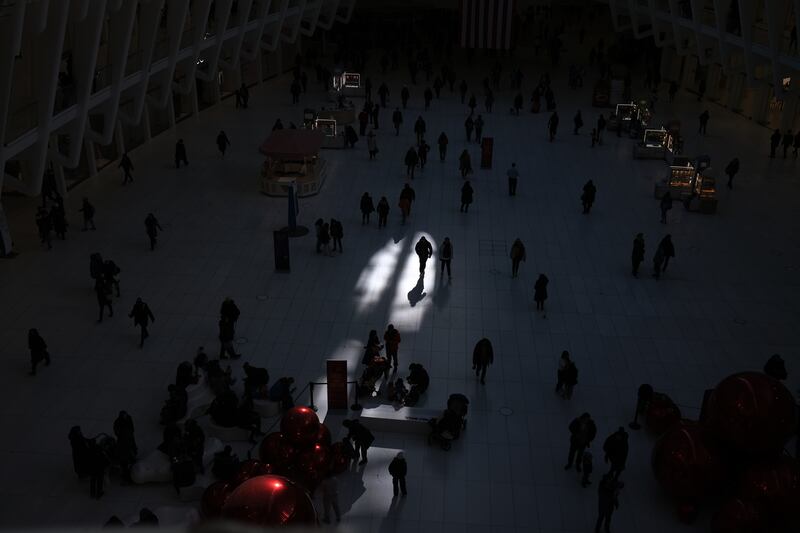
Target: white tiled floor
{"points": [[728, 301]]}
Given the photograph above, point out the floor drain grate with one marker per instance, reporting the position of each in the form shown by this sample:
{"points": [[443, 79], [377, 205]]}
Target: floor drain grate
{"points": [[506, 411], [241, 340], [261, 297], [740, 321]]}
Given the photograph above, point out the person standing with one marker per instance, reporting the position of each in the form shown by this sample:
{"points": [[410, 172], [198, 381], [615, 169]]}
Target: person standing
{"points": [[517, 256], [363, 120], [466, 196], [465, 163], [367, 207], [404, 96], [582, 432], [422, 153], [482, 357], [372, 145], [38, 349], [127, 450], [101, 289], [142, 315], [774, 142], [469, 125], [392, 342], [88, 214], [397, 119], [337, 233], [587, 198], [411, 161], [733, 168], [227, 332], [667, 250], [788, 139], [666, 205], [552, 125], [608, 501], [616, 451], [446, 256], [153, 227], [658, 262], [540, 292], [222, 142], [419, 129], [601, 126], [442, 142], [479, 129], [362, 438], [567, 376], [578, 122], [109, 273], [407, 197], [330, 498], [424, 251], [398, 469], [513, 177], [98, 463], [383, 211], [383, 93], [325, 238], [704, 116], [637, 256], [180, 154], [126, 165]]}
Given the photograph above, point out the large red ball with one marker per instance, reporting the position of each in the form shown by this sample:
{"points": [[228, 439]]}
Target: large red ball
{"points": [[738, 516], [214, 499], [324, 435], [248, 469], [774, 484], [752, 412], [687, 464], [270, 501], [662, 414], [300, 426], [312, 465], [276, 450], [339, 460]]}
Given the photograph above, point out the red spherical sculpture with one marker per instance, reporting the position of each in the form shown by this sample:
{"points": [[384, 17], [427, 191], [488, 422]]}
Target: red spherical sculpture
{"points": [[738, 516], [214, 499], [775, 485], [300, 426], [324, 436], [270, 501], [248, 469], [339, 460], [276, 450], [312, 465], [685, 465], [662, 414], [751, 412]]}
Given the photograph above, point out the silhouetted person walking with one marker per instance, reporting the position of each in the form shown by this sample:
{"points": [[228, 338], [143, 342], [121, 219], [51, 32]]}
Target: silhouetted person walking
{"points": [[465, 164], [153, 227], [38, 349], [424, 251], [704, 116], [582, 432], [222, 142], [442, 142], [567, 376], [667, 250], [587, 198], [411, 160], [361, 437], [383, 211], [180, 154], [540, 292], [482, 357], [446, 256], [513, 178], [407, 197], [397, 119], [367, 207], [637, 255], [466, 196], [398, 469], [517, 256], [731, 170], [142, 315], [126, 165], [391, 339], [666, 205], [616, 451], [88, 214], [102, 290], [608, 501]]}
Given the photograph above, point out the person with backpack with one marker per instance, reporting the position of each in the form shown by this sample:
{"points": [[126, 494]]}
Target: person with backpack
{"points": [[582, 432], [383, 211], [446, 257], [442, 142], [367, 207], [411, 160], [142, 315], [337, 233]]}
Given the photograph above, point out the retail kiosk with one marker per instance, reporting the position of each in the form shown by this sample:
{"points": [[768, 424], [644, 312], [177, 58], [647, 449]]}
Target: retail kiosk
{"points": [[293, 155], [655, 144], [690, 182]]}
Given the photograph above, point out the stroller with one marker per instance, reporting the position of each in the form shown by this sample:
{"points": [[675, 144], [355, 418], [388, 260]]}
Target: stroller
{"points": [[448, 427]]}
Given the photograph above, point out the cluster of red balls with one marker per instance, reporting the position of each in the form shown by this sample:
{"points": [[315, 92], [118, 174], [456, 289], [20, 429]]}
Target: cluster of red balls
{"points": [[274, 491], [734, 458]]}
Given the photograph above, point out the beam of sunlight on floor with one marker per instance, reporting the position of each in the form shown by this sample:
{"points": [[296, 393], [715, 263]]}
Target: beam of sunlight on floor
{"points": [[375, 277], [411, 299]]}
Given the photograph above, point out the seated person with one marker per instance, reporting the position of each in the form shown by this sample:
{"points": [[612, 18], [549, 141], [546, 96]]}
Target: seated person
{"points": [[224, 409], [775, 367], [397, 391], [200, 361], [369, 377], [176, 405], [382, 365], [248, 418], [255, 381], [226, 463], [219, 380], [419, 377], [458, 403], [185, 375], [372, 348], [172, 441], [449, 425], [282, 391]]}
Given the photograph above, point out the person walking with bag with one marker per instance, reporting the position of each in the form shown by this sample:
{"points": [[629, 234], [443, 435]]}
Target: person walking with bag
{"points": [[465, 164], [517, 256], [142, 315], [442, 142], [367, 207], [482, 357], [398, 470]]}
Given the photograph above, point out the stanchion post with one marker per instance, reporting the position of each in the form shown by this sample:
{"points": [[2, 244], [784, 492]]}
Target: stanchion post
{"points": [[311, 393], [356, 406]]}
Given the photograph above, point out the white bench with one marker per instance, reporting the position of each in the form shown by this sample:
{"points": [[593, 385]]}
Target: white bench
{"points": [[156, 468], [232, 434], [398, 419]]}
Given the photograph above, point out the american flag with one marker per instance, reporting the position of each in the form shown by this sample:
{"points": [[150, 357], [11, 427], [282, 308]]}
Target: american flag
{"points": [[486, 23]]}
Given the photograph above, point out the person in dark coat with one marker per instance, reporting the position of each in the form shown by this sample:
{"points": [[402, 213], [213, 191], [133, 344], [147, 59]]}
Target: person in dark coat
{"points": [[482, 357], [466, 196], [80, 451], [478, 129], [228, 309], [774, 142], [391, 338], [517, 256], [540, 291], [776, 368], [424, 251], [110, 271], [465, 163], [337, 233], [552, 125], [419, 129], [126, 165], [446, 257], [513, 178], [616, 451], [225, 465], [567, 376], [350, 137], [180, 154], [398, 469], [38, 349], [472, 104], [608, 501], [278, 125], [731, 170], [665, 205], [256, 379], [442, 142], [704, 116], [375, 115], [362, 438], [102, 290], [367, 207], [126, 449], [667, 250], [637, 256], [407, 197], [397, 119], [152, 227], [582, 432], [383, 211], [411, 160], [587, 198], [227, 332], [577, 122], [88, 214], [469, 125], [142, 315], [363, 121], [422, 153], [222, 142], [788, 139], [383, 93], [98, 463], [281, 391]]}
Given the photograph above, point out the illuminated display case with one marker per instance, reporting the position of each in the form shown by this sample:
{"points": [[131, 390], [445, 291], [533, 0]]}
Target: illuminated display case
{"points": [[680, 178], [655, 144], [348, 84], [292, 156], [704, 194]]}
